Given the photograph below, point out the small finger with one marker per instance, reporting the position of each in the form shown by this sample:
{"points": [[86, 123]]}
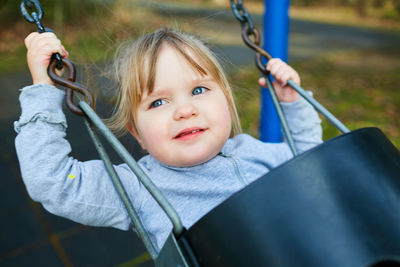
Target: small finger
{"points": [[294, 76], [285, 78], [64, 52], [279, 73], [274, 68], [48, 45], [262, 82], [272, 63], [29, 38], [48, 34], [36, 39], [277, 66]]}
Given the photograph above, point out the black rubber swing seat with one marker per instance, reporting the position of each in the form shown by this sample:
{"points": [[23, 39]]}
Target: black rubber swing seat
{"points": [[335, 205]]}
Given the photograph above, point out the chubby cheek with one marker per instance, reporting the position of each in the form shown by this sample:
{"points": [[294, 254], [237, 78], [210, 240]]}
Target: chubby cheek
{"points": [[221, 119], [153, 132], [227, 122]]}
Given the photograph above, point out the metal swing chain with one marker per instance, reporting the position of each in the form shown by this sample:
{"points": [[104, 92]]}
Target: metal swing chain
{"points": [[85, 109], [57, 62], [248, 32], [36, 18]]}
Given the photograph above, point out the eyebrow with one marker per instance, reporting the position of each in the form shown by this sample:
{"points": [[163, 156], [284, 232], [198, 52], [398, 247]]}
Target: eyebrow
{"points": [[207, 78], [155, 94], [204, 79]]}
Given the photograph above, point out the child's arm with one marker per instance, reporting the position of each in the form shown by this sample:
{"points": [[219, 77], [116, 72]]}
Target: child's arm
{"points": [[303, 120], [80, 191]]}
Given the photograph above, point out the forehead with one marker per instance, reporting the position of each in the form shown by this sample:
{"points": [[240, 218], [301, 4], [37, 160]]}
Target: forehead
{"points": [[174, 72], [193, 57], [171, 60], [165, 55]]}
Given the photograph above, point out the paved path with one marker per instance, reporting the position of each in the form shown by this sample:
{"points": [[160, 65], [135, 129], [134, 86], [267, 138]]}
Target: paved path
{"points": [[306, 39], [31, 236]]}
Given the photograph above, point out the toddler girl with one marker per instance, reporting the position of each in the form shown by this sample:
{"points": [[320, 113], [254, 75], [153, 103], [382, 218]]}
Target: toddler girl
{"points": [[175, 100]]}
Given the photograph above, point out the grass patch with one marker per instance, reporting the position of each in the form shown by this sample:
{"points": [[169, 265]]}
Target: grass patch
{"points": [[379, 19], [13, 61], [360, 88], [247, 96]]}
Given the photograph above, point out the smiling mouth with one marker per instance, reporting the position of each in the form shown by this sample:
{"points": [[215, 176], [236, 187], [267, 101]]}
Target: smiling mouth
{"points": [[188, 134]]}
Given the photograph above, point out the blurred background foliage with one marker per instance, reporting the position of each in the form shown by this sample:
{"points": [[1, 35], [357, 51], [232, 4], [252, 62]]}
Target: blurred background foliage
{"points": [[387, 8], [61, 11], [360, 87], [119, 19]]}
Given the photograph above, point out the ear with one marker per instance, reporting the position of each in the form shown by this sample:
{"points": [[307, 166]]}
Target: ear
{"points": [[135, 134]]}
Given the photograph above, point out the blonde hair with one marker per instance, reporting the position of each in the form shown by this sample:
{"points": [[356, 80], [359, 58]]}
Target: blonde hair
{"points": [[135, 73]]}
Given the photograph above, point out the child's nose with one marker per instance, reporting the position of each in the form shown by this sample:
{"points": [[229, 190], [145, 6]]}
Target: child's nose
{"points": [[185, 111]]}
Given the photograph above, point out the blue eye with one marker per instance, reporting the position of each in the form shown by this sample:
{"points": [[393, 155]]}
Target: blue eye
{"points": [[199, 90], [157, 103]]}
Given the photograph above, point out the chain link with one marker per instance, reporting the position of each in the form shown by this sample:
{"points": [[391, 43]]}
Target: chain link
{"points": [[250, 34], [241, 14], [57, 62], [252, 39], [36, 18], [70, 85]]}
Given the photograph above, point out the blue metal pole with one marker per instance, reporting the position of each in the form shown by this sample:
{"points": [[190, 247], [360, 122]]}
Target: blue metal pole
{"points": [[275, 33]]}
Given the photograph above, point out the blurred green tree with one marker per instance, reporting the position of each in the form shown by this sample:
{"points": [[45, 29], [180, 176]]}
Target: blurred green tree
{"points": [[396, 4], [378, 3], [361, 7], [56, 12]]}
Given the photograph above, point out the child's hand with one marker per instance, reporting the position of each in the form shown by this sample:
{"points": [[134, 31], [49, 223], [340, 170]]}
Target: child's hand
{"points": [[282, 72], [40, 47]]}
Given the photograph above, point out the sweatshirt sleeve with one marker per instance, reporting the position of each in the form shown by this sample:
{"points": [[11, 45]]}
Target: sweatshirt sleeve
{"points": [[304, 124], [80, 191]]}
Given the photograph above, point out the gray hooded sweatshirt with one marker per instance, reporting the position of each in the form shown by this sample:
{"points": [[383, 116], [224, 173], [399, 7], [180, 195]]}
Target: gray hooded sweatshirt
{"points": [[83, 191]]}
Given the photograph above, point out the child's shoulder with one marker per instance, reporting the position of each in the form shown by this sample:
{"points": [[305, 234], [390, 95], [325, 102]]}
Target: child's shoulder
{"points": [[243, 139], [240, 142], [245, 144]]}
